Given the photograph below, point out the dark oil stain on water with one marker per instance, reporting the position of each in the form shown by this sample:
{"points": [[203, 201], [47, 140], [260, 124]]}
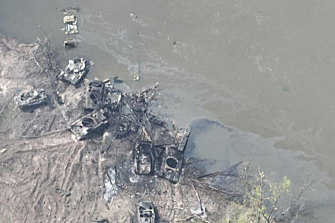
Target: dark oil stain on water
{"points": [[264, 67]]}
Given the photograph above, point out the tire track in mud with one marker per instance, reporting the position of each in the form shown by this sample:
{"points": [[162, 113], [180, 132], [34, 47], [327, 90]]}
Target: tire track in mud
{"points": [[32, 166], [32, 179], [35, 165], [69, 164], [97, 205], [86, 180], [82, 177], [42, 189], [72, 165]]}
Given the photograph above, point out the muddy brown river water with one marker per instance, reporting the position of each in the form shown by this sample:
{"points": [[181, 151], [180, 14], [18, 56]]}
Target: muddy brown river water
{"points": [[255, 79]]}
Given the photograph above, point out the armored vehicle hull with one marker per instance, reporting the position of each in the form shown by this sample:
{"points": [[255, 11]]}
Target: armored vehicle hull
{"points": [[91, 124], [75, 71], [143, 158], [31, 100], [168, 163]]}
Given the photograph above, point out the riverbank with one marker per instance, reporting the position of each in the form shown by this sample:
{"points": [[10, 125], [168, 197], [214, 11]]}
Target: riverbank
{"points": [[48, 176]]}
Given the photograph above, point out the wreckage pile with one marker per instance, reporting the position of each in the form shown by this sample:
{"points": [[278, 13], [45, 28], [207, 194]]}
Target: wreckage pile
{"points": [[122, 163], [120, 119], [107, 125], [159, 145], [159, 149]]}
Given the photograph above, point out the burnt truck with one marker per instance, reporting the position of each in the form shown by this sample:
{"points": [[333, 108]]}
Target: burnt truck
{"points": [[75, 71], [146, 212], [31, 100], [90, 125], [144, 158]]}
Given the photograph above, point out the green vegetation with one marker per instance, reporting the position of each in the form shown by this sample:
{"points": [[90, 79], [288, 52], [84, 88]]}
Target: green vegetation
{"points": [[264, 202]]}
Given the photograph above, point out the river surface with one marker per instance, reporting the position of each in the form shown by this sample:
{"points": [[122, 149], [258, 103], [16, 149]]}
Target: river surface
{"points": [[255, 79]]}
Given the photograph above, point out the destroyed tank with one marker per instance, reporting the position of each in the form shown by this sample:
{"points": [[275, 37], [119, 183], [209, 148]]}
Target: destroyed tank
{"points": [[168, 163], [31, 99], [75, 71]]}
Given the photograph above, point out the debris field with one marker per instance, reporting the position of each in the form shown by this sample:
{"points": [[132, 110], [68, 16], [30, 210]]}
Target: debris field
{"points": [[75, 150]]}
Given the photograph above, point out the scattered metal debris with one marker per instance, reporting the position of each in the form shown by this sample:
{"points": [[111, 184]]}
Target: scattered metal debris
{"points": [[113, 100], [133, 16], [161, 146], [111, 189], [130, 115], [91, 124], [75, 71], [146, 212], [181, 138], [136, 76], [59, 98], [31, 100], [102, 221], [63, 193], [65, 10], [70, 43]]}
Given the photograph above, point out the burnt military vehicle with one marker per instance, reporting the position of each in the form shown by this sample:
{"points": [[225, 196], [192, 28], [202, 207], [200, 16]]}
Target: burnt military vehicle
{"points": [[166, 157], [144, 158], [75, 71], [70, 22], [168, 163], [169, 159], [92, 124], [100, 94], [31, 99], [95, 95], [146, 212]]}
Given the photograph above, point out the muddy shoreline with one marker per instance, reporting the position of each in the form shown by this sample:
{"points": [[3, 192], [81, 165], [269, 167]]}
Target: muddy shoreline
{"points": [[49, 176]]}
